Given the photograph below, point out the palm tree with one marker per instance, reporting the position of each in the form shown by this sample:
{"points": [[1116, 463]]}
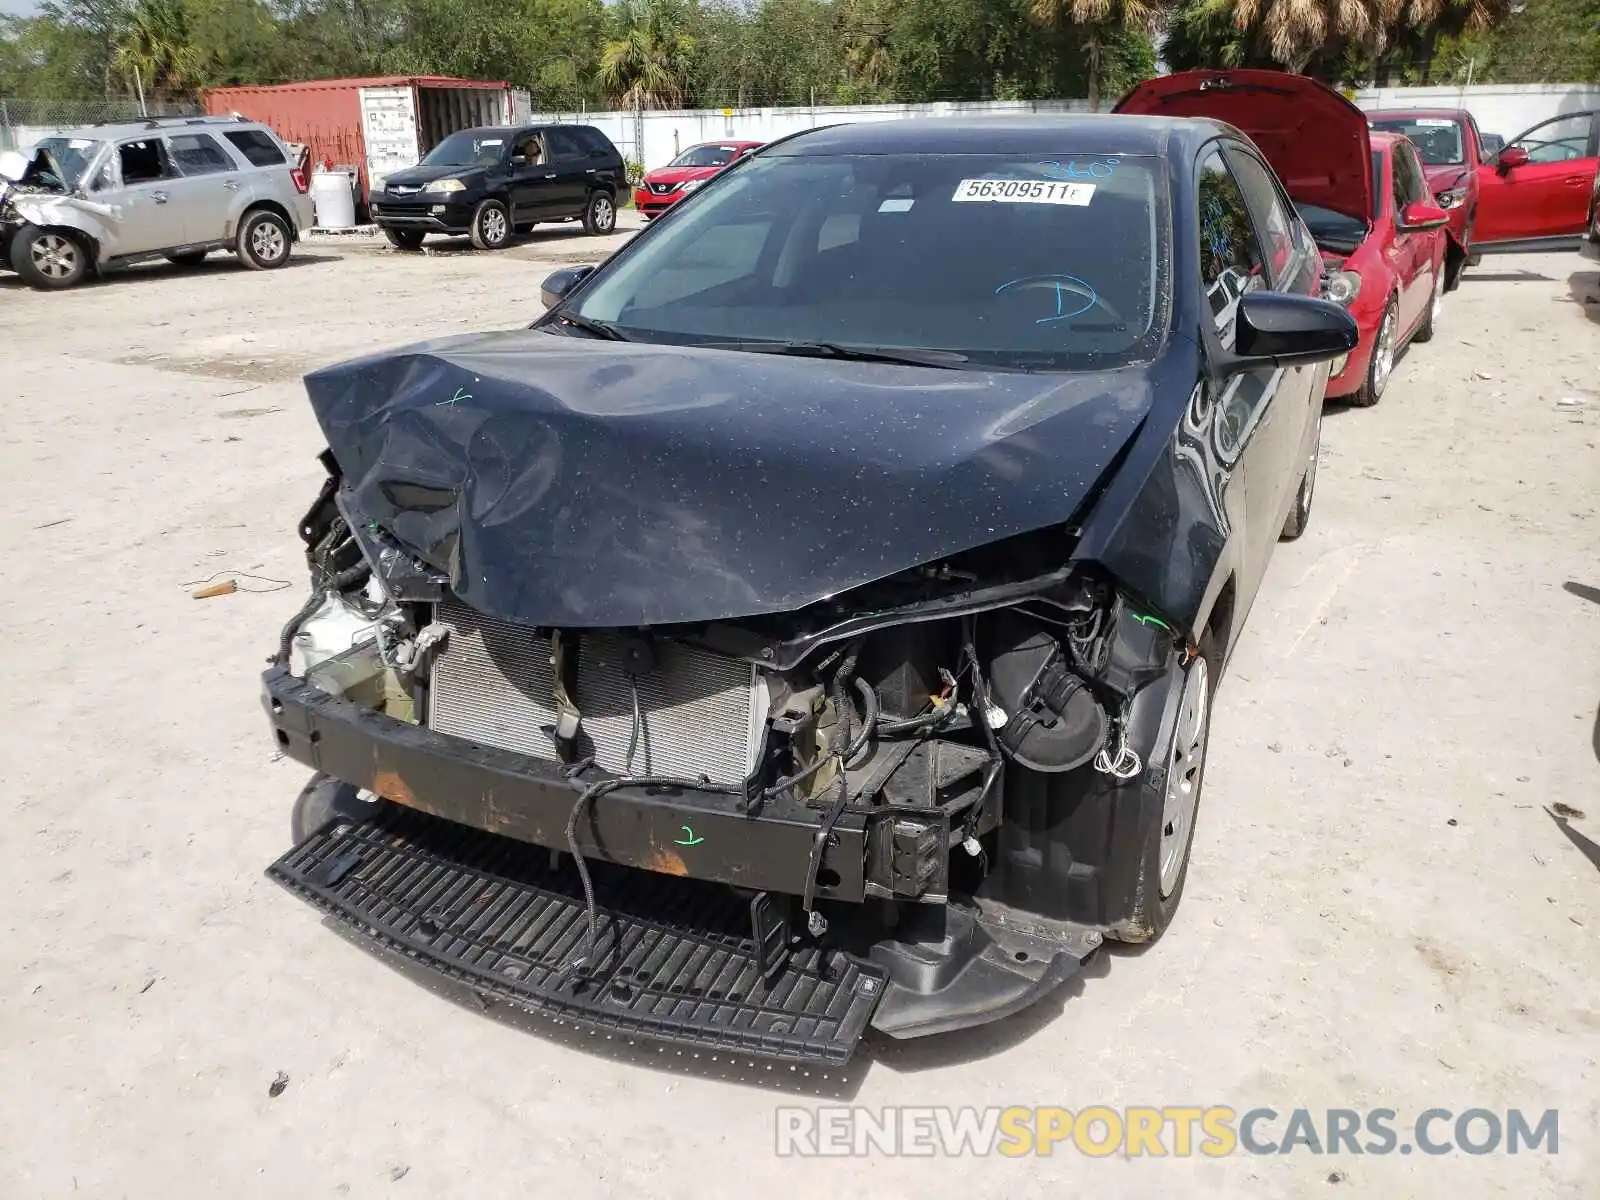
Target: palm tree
{"points": [[647, 65], [1294, 31], [1097, 19], [1424, 22], [156, 45]]}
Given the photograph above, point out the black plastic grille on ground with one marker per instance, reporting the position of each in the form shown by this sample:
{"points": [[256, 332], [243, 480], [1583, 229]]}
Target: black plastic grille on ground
{"points": [[677, 960]]}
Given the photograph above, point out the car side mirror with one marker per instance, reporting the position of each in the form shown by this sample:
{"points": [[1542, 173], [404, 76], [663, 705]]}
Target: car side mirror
{"points": [[1289, 330], [1510, 158], [558, 285], [1420, 216]]}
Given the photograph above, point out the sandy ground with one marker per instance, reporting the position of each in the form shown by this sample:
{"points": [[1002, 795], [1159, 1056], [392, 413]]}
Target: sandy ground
{"points": [[1380, 913]]}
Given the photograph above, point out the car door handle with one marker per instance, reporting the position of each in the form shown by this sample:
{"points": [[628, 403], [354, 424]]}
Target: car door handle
{"points": [[1578, 181], [159, 197], [232, 185], [552, 175], [590, 171]]}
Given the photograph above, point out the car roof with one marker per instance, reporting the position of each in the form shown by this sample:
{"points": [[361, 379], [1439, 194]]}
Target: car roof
{"points": [[1097, 133], [111, 131]]}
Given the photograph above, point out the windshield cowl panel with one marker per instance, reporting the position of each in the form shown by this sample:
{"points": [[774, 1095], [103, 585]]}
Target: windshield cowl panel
{"points": [[1004, 259]]}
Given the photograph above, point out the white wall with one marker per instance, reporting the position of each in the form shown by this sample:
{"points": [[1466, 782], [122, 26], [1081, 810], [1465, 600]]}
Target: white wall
{"points": [[1506, 109]]}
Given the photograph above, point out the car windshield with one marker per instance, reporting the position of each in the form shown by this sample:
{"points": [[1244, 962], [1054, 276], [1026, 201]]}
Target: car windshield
{"points": [[705, 156], [1438, 139], [469, 148], [1332, 230], [72, 155], [1003, 259]]}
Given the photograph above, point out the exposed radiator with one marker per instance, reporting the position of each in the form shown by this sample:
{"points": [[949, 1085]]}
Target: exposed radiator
{"points": [[702, 714]]}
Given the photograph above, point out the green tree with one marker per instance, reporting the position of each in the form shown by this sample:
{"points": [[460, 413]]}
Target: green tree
{"points": [[648, 63], [1098, 22], [157, 51]]}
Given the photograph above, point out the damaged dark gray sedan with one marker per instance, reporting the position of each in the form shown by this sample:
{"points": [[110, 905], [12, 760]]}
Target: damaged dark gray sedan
{"points": [[812, 621]]}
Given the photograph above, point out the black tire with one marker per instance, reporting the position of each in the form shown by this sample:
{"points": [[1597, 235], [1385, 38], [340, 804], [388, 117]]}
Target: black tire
{"points": [[1377, 380], [48, 259], [491, 226], [1300, 515], [1425, 331], [263, 241], [600, 214], [1155, 898], [405, 239], [192, 259], [324, 800]]}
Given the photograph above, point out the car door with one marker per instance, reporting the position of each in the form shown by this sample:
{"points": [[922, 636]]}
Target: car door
{"points": [[573, 171], [137, 183], [531, 178], [1548, 196], [1411, 252], [1242, 447], [208, 190], [1283, 422]]}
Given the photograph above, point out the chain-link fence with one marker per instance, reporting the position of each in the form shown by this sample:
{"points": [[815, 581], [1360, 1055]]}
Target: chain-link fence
{"points": [[23, 122]]}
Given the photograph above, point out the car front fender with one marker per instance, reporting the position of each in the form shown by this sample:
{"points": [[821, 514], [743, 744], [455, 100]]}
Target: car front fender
{"points": [[96, 221]]}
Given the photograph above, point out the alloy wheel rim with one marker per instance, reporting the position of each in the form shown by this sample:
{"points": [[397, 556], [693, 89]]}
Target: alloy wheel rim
{"points": [[54, 256], [494, 225], [604, 214], [1184, 765], [1384, 352], [267, 241]]}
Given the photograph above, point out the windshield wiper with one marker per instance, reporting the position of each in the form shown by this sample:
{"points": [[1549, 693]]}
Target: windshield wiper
{"points": [[589, 325], [914, 356]]}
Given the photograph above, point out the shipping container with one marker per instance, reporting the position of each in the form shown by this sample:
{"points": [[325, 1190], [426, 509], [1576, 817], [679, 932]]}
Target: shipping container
{"points": [[380, 125]]}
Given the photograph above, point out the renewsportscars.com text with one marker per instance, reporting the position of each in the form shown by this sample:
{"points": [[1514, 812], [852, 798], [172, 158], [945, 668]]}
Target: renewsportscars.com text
{"points": [[1158, 1132]]}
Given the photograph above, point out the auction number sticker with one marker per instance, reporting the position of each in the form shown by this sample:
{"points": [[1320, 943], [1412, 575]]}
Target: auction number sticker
{"points": [[1023, 191]]}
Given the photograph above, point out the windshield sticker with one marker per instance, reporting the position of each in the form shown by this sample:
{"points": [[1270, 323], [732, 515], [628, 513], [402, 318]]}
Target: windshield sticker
{"points": [[898, 204], [1432, 123], [491, 141], [1073, 169], [1022, 191]]}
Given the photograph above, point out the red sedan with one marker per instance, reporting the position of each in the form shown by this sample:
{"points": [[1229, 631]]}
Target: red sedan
{"points": [[1451, 148], [1362, 195], [665, 186], [1389, 271]]}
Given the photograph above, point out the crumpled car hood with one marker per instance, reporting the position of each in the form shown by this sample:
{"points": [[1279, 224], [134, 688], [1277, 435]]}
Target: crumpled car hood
{"points": [[563, 481]]}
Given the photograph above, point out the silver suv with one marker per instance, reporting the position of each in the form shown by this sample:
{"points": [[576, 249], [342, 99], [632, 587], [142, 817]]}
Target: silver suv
{"points": [[108, 196]]}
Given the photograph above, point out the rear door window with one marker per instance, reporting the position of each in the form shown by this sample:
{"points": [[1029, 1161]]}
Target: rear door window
{"points": [[258, 148], [563, 145], [198, 154], [593, 141]]}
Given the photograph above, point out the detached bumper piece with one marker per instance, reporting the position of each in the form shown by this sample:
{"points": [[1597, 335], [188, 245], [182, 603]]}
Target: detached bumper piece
{"points": [[680, 960]]}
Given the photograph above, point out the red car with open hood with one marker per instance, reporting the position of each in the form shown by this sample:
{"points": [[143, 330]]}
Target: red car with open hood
{"points": [[665, 186], [1363, 196]]}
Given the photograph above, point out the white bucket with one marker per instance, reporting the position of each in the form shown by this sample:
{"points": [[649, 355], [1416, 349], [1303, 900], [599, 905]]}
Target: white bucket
{"points": [[333, 196]]}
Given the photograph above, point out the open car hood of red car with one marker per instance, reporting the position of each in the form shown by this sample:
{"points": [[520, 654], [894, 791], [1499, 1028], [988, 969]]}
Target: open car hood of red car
{"points": [[1315, 139]]}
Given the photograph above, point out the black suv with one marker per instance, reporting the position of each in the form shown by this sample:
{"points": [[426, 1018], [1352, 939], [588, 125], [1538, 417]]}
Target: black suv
{"points": [[492, 182]]}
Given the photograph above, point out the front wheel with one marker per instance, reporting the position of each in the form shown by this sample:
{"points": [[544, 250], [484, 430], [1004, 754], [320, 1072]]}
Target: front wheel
{"points": [[1381, 365], [600, 217], [405, 239], [263, 241], [1430, 322], [1180, 757], [48, 259], [491, 226]]}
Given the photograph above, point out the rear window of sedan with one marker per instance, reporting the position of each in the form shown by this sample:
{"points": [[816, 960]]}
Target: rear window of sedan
{"points": [[1033, 261]]}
